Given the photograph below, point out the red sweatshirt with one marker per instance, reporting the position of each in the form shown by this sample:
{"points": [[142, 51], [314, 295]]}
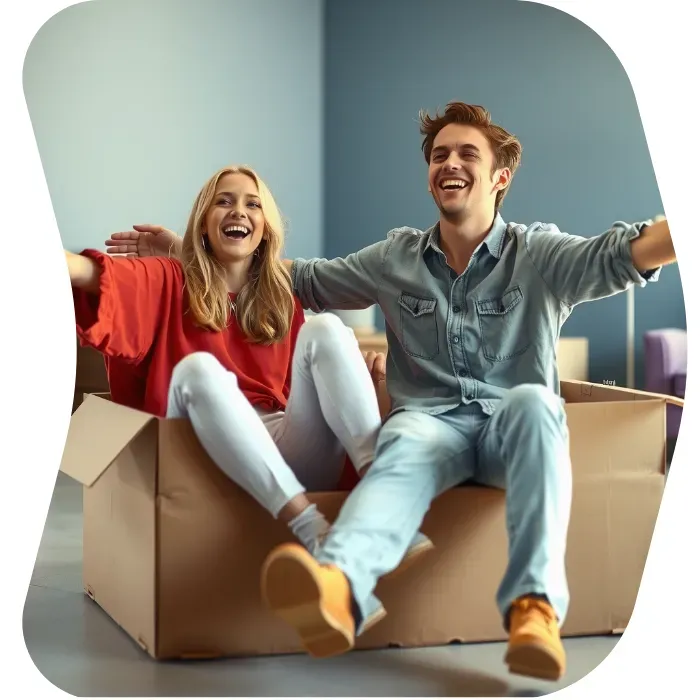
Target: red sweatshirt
{"points": [[142, 325]]}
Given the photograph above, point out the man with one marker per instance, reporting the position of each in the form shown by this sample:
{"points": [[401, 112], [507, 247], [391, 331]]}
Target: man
{"points": [[474, 307]]}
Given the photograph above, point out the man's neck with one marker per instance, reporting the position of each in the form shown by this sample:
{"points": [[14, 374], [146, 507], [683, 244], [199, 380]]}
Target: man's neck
{"points": [[459, 240]]}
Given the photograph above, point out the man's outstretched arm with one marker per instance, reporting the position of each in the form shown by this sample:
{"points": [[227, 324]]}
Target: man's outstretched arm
{"points": [[342, 283], [578, 269]]}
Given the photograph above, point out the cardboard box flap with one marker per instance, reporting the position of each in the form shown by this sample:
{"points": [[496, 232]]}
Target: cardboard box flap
{"points": [[99, 430], [586, 388]]}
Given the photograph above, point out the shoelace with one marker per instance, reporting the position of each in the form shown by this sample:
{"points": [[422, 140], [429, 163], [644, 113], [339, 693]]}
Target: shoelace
{"points": [[531, 608]]}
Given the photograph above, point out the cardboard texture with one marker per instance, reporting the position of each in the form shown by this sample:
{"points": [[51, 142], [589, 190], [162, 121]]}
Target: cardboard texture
{"points": [[572, 358], [90, 373], [173, 549]]}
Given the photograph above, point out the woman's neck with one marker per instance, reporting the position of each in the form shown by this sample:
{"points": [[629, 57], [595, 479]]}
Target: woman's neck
{"points": [[237, 274]]}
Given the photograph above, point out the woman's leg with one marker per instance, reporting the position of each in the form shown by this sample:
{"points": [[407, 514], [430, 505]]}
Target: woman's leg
{"points": [[242, 444], [234, 436], [332, 406]]}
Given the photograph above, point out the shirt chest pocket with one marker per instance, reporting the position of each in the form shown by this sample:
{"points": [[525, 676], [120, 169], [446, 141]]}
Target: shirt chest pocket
{"points": [[503, 325], [419, 335]]}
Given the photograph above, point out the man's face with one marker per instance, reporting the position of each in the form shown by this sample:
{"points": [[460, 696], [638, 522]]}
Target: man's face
{"points": [[459, 173]]}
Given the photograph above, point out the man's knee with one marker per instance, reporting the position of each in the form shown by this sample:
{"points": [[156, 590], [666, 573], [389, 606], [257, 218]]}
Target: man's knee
{"points": [[409, 440], [411, 426], [533, 402]]}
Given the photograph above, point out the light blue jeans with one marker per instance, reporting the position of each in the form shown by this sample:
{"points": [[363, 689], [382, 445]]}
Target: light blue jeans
{"points": [[522, 448]]}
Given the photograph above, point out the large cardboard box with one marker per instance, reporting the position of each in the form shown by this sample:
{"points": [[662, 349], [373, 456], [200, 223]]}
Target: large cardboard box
{"points": [[172, 549]]}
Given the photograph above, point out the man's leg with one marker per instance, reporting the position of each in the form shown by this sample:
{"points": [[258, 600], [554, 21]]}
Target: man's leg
{"points": [[418, 457], [525, 450]]}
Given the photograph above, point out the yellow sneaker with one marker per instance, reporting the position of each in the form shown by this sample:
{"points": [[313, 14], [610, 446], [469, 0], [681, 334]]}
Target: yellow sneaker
{"points": [[535, 647], [313, 598]]}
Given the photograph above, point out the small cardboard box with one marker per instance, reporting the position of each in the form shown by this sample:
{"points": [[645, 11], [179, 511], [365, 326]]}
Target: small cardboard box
{"points": [[173, 549]]}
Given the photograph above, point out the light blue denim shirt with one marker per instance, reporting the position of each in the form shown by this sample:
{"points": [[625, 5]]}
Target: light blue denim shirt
{"points": [[455, 339]]}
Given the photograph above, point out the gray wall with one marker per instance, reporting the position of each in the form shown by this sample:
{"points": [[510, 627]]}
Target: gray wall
{"points": [[135, 104], [544, 76]]}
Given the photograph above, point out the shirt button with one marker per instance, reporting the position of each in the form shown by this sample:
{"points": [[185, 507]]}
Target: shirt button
{"points": [[455, 339], [456, 309], [470, 397], [462, 372]]}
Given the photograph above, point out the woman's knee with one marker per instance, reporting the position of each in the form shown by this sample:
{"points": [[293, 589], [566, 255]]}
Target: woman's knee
{"points": [[198, 370], [324, 329]]}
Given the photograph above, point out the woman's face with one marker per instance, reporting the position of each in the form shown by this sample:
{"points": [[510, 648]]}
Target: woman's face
{"points": [[234, 223]]}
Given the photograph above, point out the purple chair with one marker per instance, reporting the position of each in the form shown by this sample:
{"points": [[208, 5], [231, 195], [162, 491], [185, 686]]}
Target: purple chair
{"points": [[665, 369]]}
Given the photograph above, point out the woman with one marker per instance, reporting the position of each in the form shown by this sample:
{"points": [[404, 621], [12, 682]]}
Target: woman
{"points": [[218, 337]]}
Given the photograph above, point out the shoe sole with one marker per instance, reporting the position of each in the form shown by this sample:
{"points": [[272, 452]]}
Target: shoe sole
{"points": [[294, 592], [535, 661]]}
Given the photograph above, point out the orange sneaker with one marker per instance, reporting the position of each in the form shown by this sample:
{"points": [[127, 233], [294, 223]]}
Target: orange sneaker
{"points": [[313, 598], [535, 647]]}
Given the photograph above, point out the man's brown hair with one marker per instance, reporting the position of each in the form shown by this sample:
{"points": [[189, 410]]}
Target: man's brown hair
{"points": [[506, 148]]}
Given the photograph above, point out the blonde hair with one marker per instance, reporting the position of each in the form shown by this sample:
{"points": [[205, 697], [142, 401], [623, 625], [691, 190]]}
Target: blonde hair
{"points": [[265, 305]]}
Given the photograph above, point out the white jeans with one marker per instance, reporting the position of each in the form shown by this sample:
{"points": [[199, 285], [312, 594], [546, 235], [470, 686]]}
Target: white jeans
{"points": [[332, 409]]}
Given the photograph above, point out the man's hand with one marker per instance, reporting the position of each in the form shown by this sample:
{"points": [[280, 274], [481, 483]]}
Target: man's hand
{"points": [[654, 248], [376, 364], [146, 240]]}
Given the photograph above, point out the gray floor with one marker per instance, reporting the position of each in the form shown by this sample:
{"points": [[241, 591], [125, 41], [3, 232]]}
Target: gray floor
{"points": [[77, 647]]}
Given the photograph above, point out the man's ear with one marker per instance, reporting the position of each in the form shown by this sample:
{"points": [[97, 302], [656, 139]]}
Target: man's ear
{"points": [[504, 176]]}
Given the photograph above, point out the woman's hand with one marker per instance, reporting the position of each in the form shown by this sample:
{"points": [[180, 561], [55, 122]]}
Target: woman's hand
{"points": [[145, 241], [376, 364]]}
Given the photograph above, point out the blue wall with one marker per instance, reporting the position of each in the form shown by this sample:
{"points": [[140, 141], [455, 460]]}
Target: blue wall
{"points": [[135, 104], [546, 77]]}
